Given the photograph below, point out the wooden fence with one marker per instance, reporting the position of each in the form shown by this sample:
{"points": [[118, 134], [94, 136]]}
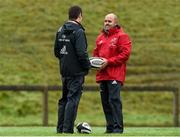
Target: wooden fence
{"points": [[46, 89]]}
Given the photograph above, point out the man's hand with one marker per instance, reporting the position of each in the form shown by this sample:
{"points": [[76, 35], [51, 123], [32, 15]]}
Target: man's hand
{"points": [[104, 64]]}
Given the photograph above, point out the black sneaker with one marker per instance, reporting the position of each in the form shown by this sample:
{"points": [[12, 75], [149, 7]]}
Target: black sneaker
{"points": [[68, 132], [59, 131], [118, 131], [108, 131]]}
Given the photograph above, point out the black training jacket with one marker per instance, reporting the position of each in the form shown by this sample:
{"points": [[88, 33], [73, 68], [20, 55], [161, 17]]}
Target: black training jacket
{"points": [[71, 49]]}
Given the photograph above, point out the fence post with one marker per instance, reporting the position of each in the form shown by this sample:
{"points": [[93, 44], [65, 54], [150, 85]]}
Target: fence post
{"points": [[45, 106], [176, 107]]}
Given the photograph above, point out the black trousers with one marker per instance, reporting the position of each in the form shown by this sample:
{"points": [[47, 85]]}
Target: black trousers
{"points": [[68, 104], [112, 105]]}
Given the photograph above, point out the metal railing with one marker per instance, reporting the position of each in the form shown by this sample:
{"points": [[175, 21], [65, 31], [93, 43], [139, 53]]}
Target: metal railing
{"points": [[46, 89]]}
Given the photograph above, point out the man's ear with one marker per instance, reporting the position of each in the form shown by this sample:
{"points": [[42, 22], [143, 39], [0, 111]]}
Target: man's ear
{"points": [[79, 18]]}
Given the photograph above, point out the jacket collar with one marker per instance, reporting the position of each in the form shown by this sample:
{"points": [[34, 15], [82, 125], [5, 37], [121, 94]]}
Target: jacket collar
{"points": [[76, 22], [112, 30]]}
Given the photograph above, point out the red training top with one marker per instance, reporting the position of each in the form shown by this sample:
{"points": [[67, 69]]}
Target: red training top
{"points": [[115, 46]]}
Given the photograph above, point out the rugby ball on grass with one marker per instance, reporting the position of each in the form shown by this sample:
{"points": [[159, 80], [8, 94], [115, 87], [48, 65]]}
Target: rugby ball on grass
{"points": [[84, 128], [96, 62]]}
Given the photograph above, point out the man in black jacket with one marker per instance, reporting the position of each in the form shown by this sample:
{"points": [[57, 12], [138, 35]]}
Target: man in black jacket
{"points": [[71, 50]]}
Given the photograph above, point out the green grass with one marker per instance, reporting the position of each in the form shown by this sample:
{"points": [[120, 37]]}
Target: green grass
{"points": [[96, 131]]}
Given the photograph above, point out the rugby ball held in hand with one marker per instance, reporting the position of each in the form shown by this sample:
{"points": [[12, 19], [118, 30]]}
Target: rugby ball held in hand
{"points": [[96, 62]]}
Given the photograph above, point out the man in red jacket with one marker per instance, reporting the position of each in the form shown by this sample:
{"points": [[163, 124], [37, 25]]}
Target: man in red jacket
{"points": [[114, 45]]}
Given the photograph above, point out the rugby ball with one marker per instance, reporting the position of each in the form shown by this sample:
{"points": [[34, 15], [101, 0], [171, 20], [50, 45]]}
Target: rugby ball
{"points": [[84, 128], [96, 62]]}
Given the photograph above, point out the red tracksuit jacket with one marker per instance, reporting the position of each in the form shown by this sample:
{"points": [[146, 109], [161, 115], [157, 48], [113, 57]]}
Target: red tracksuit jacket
{"points": [[115, 46]]}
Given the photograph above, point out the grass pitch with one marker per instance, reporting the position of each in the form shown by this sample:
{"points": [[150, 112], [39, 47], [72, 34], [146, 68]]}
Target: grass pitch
{"points": [[96, 131]]}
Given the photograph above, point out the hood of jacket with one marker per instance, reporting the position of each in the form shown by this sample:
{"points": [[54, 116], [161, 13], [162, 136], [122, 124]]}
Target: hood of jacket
{"points": [[113, 30], [71, 26]]}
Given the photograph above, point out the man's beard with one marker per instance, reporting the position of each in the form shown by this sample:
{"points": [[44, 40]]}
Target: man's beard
{"points": [[106, 29]]}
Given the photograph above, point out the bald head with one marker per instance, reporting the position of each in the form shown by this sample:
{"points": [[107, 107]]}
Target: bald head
{"points": [[112, 16], [110, 21]]}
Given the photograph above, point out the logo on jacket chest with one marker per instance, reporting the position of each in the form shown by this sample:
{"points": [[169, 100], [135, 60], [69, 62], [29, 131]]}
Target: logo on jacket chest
{"points": [[63, 38], [63, 50], [100, 42], [113, 41]]}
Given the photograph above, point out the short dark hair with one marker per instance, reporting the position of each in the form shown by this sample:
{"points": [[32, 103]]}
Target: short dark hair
{"points": [[74, 12]]}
